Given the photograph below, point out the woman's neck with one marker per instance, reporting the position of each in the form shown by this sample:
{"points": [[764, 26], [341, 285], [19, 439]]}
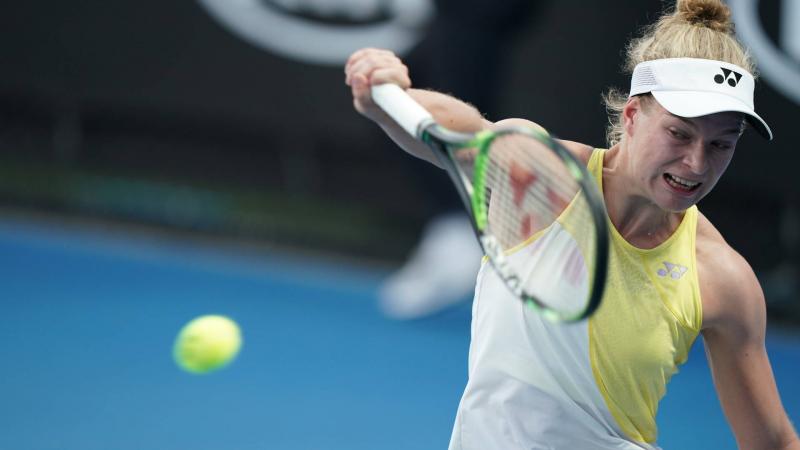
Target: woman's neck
{"points": [[635, 216]]}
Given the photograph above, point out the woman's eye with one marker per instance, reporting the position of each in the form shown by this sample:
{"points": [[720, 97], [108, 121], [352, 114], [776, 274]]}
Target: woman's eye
{"points": [[721, 145], [677, 134]]}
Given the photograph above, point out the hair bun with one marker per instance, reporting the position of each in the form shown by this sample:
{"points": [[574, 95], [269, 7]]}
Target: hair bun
{"points": [[713, 14]]}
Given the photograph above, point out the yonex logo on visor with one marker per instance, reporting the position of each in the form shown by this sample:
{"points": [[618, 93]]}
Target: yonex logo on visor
{"points": [[693, 87], [727, 74]]}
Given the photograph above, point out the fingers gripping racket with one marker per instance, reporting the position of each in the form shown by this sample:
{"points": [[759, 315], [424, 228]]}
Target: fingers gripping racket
{"points": [[536, 211]]}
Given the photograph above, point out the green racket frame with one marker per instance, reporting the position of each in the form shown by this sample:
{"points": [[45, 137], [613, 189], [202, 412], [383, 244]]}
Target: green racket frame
{"points": [[446, 144]]}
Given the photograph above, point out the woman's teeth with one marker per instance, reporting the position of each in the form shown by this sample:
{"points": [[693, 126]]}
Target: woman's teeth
{"points": [[681, 183]]}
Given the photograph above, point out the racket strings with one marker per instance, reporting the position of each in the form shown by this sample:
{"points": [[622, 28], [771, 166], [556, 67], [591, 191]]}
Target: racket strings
{"points": [[540, 216], [530, 187]]}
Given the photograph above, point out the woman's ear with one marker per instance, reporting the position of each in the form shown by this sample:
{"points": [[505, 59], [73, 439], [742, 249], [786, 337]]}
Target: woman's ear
{"points": [[630, 114]]}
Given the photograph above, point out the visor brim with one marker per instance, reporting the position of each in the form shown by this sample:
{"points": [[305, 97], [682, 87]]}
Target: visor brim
{"points": [[701, 103]]}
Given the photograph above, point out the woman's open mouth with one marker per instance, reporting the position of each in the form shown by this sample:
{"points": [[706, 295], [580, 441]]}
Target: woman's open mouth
{"points": [[681, 184]]}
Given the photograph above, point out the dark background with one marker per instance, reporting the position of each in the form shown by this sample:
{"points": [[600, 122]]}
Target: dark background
{"points": [[152, 113]]}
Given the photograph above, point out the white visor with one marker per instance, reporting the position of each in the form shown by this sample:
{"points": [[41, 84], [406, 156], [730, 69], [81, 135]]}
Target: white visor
{"points": [[690, 87]]}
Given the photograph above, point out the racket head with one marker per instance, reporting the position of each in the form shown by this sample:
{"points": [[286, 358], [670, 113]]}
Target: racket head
{"points": [[538, 215]]}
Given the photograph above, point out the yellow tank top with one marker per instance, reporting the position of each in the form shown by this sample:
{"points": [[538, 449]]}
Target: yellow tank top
{"points": [[650, 316]]}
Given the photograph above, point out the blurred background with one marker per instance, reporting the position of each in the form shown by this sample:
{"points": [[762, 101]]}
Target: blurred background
{"points": [[160, 160]]}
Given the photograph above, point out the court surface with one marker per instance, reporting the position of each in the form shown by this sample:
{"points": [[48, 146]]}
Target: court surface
{"points": [[88, 319]]}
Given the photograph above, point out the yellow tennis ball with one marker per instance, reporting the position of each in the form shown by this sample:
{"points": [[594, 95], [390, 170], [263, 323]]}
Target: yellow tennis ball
{"points": [[207, 343]]}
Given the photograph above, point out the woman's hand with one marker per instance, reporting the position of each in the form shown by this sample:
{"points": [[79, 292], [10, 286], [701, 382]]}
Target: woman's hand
{"points": [[369, 67]]}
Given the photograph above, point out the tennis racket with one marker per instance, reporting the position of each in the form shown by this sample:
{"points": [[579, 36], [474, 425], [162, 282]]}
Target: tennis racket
{"points": [[535, 209]]}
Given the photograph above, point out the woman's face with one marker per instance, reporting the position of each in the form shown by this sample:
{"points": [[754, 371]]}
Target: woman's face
{"points": [[677, 160]]}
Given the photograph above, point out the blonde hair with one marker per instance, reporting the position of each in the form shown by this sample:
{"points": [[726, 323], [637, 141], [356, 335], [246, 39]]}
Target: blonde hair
{"points": [[694, 29]]}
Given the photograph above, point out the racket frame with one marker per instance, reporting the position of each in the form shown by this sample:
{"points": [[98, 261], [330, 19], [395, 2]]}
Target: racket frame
{"points": [[444, 143]]}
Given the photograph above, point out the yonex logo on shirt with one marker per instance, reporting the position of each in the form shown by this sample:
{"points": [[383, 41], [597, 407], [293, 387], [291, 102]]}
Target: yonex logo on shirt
{"points": [[675, 271], [732, 77]]}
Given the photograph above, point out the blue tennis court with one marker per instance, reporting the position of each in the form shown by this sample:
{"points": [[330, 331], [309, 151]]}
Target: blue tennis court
{"points": [[89, 317]]}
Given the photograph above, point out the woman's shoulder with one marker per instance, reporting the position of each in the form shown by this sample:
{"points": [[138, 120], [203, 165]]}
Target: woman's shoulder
{"points": [[580, 151], [709, 242], [713, 252], [728, 285]]}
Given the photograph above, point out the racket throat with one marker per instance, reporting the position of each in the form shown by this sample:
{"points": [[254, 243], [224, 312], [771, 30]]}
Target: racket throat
{"points": [[494, 251]]}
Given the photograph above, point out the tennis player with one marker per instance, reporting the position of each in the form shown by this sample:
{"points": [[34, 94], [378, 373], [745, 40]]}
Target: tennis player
{"points": [[597, 384]]}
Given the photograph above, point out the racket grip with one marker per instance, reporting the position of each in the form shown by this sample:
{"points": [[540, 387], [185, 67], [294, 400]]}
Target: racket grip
{"points": [[395, 102]]}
